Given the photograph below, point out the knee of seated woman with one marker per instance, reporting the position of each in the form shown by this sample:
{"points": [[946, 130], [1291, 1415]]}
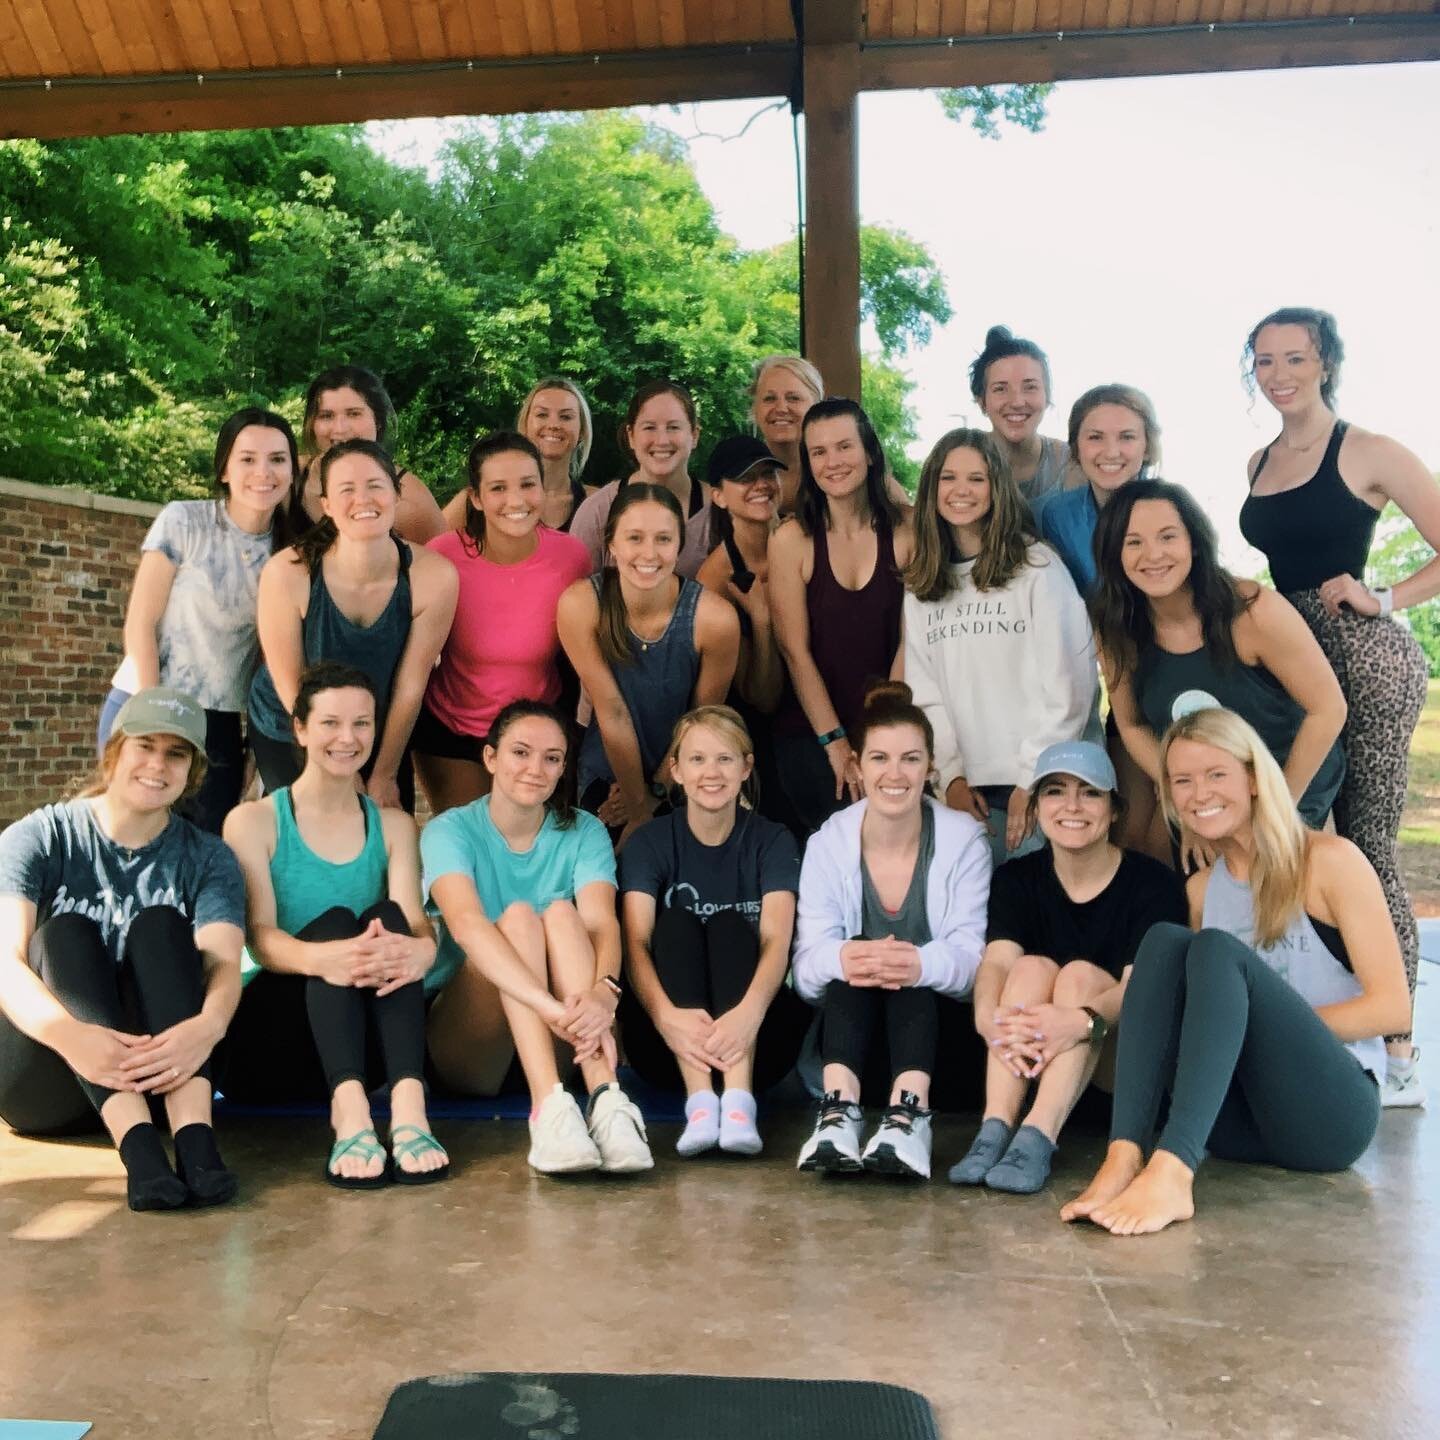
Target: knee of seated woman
{"points": [[518, 913], [560, 911], [1079, 981], [155, 921]]}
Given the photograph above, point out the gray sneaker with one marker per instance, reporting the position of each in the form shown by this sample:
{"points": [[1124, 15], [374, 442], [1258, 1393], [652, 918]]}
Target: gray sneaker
{"points": [[1402, 1089], [901, 1144], [834, 1144]]}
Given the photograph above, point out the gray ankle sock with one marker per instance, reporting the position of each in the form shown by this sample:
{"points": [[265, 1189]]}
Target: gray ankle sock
{"points": [[985, 1150], [1025, 1166]]}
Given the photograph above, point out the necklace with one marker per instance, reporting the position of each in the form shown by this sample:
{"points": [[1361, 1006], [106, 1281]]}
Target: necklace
{"points": [[1309, 444]]}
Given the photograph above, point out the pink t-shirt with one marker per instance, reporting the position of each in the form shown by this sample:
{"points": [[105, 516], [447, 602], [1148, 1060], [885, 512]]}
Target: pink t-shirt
{"points": [[503, 642]]}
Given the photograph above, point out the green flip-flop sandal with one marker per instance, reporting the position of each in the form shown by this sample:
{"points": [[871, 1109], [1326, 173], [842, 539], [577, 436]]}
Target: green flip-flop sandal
{"points": [[365, 1144], [412, 1142]]}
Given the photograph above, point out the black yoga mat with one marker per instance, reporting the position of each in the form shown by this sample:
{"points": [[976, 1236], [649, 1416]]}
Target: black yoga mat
{"points": [[651, 1407]]}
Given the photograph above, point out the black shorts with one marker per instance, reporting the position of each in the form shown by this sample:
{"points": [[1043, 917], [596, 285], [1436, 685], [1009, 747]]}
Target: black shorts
{"points": [[432, 736]]}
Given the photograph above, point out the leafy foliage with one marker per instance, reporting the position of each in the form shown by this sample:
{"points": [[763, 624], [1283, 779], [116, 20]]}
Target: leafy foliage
{"points": [[986, 106], [150, 284], [1400, 552]]}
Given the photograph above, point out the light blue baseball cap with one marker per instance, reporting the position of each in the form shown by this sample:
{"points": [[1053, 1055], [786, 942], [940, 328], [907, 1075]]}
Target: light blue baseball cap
{"points": [[1081, 758]]}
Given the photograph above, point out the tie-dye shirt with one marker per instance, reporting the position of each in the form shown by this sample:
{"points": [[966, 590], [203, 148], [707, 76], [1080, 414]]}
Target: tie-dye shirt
{"points": [[206, 636]]}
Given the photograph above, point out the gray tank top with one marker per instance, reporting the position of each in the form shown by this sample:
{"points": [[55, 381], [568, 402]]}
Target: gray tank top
{"points": [[328, 634], [912, 920], [1300, 957], [1254, 694], [656, 687]]}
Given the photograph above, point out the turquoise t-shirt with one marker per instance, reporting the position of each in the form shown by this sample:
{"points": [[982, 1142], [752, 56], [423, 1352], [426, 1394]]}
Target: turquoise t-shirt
{"points": [[557, 866]]}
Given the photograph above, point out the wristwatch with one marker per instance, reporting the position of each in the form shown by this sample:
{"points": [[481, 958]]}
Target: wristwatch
{"points": [[611, 984], [1386, 598], [1099, 1026]]}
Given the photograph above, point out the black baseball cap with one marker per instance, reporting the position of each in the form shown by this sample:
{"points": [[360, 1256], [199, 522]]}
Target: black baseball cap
{"points": [[736, 456]]}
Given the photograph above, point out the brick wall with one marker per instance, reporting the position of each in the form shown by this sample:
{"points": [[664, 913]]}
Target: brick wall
{"points": [[66, 562]]}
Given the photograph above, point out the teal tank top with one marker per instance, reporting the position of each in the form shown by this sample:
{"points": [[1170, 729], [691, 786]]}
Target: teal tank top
{"points": [[306, 885]]}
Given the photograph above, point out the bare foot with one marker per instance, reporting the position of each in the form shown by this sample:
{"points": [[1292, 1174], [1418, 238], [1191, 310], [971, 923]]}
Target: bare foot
{"points": [[1162, 1193], [1123, 1162]]}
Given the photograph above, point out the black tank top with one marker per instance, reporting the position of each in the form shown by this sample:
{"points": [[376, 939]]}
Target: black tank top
{"points": [[1313, 531]]}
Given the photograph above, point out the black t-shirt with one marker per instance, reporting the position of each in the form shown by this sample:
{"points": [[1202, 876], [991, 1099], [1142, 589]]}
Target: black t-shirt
{"points": [[1029, 905], [664, 859]]}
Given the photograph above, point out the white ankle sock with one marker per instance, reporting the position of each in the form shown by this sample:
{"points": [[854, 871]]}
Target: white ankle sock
{"points": [[702, 1123]]}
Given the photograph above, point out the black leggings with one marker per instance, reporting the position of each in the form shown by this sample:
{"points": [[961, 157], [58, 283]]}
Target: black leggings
{"points": [[280, 763], [159, 982], [296, 1037], [1251, 1071], [708, 965]]}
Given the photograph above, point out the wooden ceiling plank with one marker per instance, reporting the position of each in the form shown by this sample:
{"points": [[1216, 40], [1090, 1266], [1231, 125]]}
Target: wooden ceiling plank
{"points": [[779, 21], [485, 23], [1047, 16], [1162, 12], [540, 26], [725, 22], [135, 37], [699, 22], [751, 20], [904, 21], [1117, 14], [927, 18], [165, 31], [1001, 19], [672, 23], [255, 33], [880, 20], [455, 24], [15, 46], [1026, 17], [348, 48], [74, 37], [619, 20], [647, 22], [977, 17], [229, 44], [1142, 13], [514, 32], [195, 38], [1187, 12], [430, 39], [291, 39], [404, 45], [45, 44], [1092, 14], [372, 32], [315, 33], [952, 17]]}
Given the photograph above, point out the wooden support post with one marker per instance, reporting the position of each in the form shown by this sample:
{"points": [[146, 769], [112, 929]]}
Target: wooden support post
{"points": [[832, 193]]}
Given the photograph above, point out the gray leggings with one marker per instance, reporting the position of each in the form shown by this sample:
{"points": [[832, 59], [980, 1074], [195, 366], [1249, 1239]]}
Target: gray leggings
{"points": [[1252, 1072]]}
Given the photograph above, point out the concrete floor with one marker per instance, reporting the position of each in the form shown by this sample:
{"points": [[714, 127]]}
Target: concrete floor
{"points": [[1293, 1308]]}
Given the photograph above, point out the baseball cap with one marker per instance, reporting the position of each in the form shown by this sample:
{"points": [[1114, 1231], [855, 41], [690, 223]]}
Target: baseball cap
{"points": [[162, 711], [1187, 702], [1081, 758], [736, 456]]}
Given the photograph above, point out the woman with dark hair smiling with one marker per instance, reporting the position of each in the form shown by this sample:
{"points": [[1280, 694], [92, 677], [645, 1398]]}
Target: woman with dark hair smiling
{"points": [[1316, 493], [120, 933], [503, 644], [351, 590], [190, 622], [836, 598], [1170, 619], [349, 402]]}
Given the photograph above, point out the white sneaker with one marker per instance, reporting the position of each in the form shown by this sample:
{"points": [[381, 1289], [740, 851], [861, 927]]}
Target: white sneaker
{"points": [[618, 1130], [901, 1143], [559, 1141], [1402, 1089], [834, 1144]]}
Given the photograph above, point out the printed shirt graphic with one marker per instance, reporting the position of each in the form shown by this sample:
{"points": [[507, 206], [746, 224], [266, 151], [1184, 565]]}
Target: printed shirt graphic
{"points": [[663, 859], [58, 858], [206, 636]]}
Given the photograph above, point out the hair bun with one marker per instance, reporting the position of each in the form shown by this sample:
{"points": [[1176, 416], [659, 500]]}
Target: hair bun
{"points": [[888, 692], [997, 335]]}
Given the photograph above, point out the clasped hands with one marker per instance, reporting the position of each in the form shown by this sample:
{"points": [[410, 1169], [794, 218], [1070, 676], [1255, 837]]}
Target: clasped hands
{"points": [[1026, 1038]]}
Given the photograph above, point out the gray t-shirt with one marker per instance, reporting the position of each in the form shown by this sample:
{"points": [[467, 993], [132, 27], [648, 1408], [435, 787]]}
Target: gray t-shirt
{"points": [[60, 859], [911, 922], [206, 636]]}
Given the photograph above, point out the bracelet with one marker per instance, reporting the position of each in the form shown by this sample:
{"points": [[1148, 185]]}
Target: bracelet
{"points": [[1386, 598], [830, 736]]}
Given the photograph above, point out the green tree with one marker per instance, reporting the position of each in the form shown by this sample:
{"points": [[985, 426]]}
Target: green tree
{"points": [[1400, 552], [985, 107]]}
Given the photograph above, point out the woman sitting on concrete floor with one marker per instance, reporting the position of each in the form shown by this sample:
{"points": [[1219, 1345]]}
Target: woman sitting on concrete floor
{"points": [[891, 919], [1064, 926], [525, 884], [337, 922], [120, 933], [709, 911], [1263, 1027]]}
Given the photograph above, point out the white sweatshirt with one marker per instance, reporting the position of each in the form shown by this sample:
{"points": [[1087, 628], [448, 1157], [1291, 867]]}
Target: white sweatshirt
{"points": [[1002, 673]]}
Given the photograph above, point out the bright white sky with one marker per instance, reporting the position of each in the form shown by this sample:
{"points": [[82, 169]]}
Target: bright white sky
{"points": [[1139, 237]]}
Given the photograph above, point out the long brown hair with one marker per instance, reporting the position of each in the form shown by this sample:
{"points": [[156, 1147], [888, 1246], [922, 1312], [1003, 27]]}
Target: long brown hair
{"points": [[614, 629], [98, 780], [812, 505], [561, 800], [1006, 533], [497, 442], [311, 547]]}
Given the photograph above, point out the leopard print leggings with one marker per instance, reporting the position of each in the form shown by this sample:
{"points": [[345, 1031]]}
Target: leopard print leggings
{"points": [[1382, 671]]}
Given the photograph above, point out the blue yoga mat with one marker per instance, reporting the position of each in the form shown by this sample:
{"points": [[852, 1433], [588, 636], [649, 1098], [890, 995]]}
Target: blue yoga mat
{"points": [[43, 1429]]}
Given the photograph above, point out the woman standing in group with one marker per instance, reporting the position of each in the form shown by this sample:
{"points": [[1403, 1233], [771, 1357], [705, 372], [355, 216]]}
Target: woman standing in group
{"points": [[190, 623], [1170, 619], [555, 418], [997, 644], [1063, 929], [891, 918], [836, 597], [120, 933], [660, 432], [1315, 522], [503, 644], [1114, 439], [531, 953], [353, 591], [337, 922], [782, 390], [349, 402], [709, 911], [647, 644], [1262, 1022], [1010, 380]]}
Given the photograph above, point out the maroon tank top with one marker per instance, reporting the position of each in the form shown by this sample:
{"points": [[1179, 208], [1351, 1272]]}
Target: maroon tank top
{"points": [[854, 634]]}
